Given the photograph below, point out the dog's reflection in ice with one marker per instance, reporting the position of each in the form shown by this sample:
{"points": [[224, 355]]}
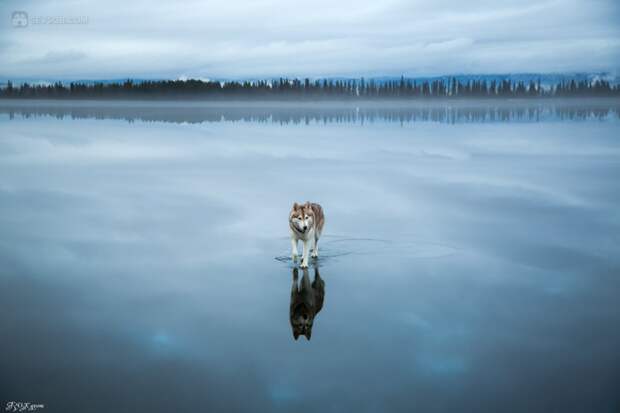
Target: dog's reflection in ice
{"points": [[306, 302]]}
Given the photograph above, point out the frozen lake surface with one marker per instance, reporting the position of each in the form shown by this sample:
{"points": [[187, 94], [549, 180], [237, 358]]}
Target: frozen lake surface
{"points": [[471, 256]]}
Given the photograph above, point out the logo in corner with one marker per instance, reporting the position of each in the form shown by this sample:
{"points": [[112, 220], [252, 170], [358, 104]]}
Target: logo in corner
{"points": [[19, 19]]}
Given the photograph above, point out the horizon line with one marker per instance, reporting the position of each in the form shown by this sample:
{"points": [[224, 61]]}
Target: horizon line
{"points": [[4, 79]]}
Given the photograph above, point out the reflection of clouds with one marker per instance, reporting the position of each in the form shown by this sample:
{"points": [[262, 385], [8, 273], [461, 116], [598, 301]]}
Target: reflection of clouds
{"points": [[78, 146], [515, 191], [106, 351], [162, 344], [159, 269], [146, 185], [91, 227], [435, 349], [284, 392], [441, 364]]}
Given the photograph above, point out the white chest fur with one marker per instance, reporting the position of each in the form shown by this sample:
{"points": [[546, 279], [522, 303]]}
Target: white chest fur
{"points": [[309, 242], [304, 236]]}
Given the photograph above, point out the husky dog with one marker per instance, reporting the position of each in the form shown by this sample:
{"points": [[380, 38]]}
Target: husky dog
{"points": [[306, 223], [306, 302]]}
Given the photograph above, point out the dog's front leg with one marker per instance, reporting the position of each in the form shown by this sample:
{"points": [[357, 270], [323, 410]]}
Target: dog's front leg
{"points": [[294, 248], [315, 248], [306, 252]]}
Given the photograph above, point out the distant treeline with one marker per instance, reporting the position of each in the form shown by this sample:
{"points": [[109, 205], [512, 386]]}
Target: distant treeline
{"points": [[307, 89]]}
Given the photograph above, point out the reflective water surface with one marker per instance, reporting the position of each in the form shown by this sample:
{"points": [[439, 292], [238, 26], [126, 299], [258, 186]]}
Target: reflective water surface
{"points": [[470, 262]]}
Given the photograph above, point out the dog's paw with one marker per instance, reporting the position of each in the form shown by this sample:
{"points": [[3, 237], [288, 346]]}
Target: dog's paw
{"points": [[294, 257], [315, 255], [304, 264]]}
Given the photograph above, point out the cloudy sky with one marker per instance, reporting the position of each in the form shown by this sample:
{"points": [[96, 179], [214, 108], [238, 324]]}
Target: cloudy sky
{"points": [[88, 39]]}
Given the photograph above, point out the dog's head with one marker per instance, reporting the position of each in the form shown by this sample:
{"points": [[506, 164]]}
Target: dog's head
{"points": [[302, 319], [302, 216]]}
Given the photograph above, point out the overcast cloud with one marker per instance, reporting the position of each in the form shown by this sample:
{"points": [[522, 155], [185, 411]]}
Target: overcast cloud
{"points": [[265, 38]]}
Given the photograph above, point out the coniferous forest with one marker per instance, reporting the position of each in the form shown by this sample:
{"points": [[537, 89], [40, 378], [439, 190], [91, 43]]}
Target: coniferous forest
{"points": [[313, 90]]}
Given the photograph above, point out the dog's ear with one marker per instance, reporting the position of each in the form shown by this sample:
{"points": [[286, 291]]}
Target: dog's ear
{"points": [[296, 335], [308, 334], [295, 206]]}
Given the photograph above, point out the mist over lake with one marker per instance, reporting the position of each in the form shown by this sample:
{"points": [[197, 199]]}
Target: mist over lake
{"points": [[471, 255]]}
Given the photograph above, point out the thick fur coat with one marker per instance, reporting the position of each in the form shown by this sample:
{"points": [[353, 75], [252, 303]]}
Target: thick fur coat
{"points": [[306, 224]]}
